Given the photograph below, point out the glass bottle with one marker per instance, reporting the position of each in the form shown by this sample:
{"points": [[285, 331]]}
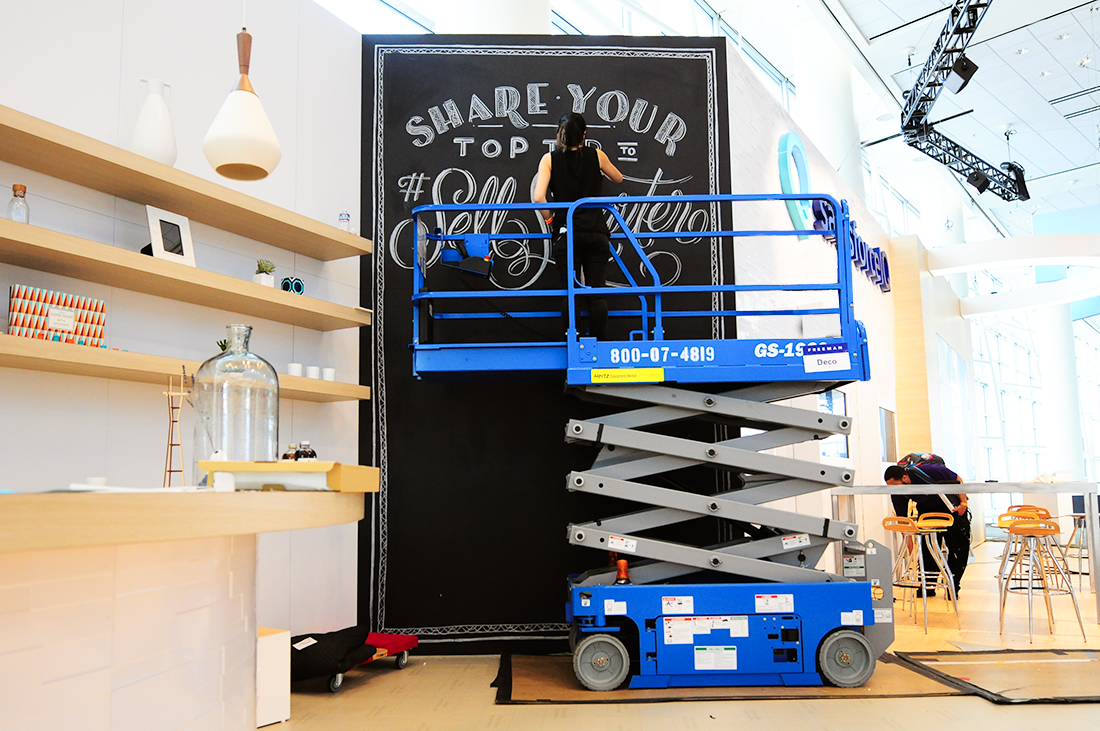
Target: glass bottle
{"points": [[17, 209], [236, 399], [289, 454], [305, 452]]}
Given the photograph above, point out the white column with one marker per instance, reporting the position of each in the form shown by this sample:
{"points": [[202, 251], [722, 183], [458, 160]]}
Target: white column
{"points": [[1052, 330], [489, 16], [823, 105]]}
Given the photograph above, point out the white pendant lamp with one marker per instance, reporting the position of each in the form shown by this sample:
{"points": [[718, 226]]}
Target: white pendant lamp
{"points": [[241, 145]]}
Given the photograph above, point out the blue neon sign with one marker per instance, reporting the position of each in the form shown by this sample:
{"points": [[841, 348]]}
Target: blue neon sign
{"points": [[794, 178]]}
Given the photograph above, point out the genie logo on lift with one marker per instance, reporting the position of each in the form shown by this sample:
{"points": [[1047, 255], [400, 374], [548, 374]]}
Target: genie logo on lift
{"points": [[794, 178]]}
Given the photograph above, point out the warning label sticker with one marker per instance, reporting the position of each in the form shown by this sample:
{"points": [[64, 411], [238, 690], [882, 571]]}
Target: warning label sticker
{"points": [[618, 543], [853, 618], [715, 658], [855, 565], [796, 541], [778, 603], [677, 604], [682, 630]]}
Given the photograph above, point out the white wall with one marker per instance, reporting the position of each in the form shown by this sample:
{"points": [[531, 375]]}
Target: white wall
{"points": [[757, 121], [147, 636], [79, 65]]}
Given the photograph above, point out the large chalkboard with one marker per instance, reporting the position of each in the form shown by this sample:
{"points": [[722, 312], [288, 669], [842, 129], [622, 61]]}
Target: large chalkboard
{"points": [[467, 536]]}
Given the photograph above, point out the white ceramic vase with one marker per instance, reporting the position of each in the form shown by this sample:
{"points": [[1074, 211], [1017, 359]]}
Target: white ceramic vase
{"points": [[154, 137], [268, 280]]}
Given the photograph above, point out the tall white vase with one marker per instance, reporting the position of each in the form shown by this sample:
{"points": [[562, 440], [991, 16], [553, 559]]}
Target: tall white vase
{"points": [[153, 134]]}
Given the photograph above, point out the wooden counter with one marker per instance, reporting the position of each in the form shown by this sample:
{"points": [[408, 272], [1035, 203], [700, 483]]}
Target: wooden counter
{"points": [[31, 522]]}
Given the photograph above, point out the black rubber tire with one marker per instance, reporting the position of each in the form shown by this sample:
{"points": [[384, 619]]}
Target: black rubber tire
{"points": [[402, 659], [574, 635], [601, 662], [335, 682], [845, 659]]}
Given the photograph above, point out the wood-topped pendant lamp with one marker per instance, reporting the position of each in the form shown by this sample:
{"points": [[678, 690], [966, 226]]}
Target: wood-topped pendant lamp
{"points": [[241, 144]]}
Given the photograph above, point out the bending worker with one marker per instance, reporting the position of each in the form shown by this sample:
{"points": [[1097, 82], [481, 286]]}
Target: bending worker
{"points": [[957, 537]]}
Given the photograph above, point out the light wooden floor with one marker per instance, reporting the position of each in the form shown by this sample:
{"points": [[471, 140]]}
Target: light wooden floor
{"points": [[453, 692]]}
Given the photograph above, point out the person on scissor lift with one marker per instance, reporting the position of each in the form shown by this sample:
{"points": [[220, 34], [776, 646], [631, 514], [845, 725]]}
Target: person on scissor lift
{"points": [[569, 173]]}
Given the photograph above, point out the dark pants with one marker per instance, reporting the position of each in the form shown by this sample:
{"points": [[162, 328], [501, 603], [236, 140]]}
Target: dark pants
{"points": [[957, 539], [591, 252]]}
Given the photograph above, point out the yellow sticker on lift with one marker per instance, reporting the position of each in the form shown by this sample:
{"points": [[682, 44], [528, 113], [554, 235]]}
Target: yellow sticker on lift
{"points": [[628, 375]]}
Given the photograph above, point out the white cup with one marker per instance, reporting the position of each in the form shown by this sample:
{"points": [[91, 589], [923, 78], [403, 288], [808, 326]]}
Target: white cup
{"points": [[313, 372], [99, 481], [328, 374], [294, 369]]}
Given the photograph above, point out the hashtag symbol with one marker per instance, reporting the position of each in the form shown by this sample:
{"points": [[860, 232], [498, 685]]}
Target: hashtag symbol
{"points": [[412, 186]]}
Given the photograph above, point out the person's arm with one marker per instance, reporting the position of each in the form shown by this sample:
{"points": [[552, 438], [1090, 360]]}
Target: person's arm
{"points": [[961, 507], [608, 168], [542, 182]]}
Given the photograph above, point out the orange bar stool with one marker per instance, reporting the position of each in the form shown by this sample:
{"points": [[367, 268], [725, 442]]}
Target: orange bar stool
{"points": [[910, 573], [932, 525], [1004, 522], [1077, 544], [1035, 510], [1045, 571]]}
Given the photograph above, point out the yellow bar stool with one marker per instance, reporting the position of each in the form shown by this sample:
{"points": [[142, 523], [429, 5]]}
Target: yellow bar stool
{"points": [[1004, 522], [931, 526], [910, 573], [1045, 571], [1035, 510], [1077, 544]]}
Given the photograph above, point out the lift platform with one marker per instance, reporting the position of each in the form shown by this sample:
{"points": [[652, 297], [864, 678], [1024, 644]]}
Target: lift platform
{"points": [[752, 609]]}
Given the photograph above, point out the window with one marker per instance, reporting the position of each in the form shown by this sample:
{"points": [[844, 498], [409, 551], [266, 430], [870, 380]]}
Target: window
{"points": [[887, 432], [834, 402]]}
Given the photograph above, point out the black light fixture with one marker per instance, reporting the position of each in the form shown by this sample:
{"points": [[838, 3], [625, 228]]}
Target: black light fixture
{"points": [[979, 180], [961, 71], [1017, 171]]}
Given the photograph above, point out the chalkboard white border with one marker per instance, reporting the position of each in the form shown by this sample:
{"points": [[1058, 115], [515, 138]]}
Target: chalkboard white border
{"points": [[381, 52]]}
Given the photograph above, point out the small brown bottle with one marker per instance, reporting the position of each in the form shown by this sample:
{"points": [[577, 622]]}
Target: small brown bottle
{"points": [[305, 453], [289, 454]]}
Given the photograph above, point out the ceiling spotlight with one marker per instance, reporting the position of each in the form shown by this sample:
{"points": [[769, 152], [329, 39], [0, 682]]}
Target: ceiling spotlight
{"points": [[1084, 61], [1044, 74], [1022, 51], [979, 180], [961, 71], [1062, 36]]}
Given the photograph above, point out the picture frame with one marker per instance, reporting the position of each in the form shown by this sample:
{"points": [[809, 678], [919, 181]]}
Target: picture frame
{"points": [[170, 236]]}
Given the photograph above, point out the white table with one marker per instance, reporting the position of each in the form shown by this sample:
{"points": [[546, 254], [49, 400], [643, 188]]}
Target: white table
{"points": [[843, 506]]}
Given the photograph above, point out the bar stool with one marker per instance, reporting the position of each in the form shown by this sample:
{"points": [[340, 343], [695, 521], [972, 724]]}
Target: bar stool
{"points": [[1004, 522], [910, 573], [1038, 542], [1081, 546], [931, 525], [1035, 510]]}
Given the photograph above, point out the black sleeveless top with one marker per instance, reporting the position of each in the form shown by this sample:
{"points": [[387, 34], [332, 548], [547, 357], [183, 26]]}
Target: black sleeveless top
{"points": [[575, 174]]}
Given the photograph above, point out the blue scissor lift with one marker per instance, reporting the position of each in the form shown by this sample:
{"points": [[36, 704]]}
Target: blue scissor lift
{"points": [[751, 610]]}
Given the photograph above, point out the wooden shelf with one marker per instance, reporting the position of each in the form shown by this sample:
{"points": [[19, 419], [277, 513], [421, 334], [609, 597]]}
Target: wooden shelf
{"points": [[50, 251], [60, 153], [80, 360], [55, 520]]}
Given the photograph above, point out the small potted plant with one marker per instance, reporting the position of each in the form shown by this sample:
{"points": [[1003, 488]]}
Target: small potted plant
{"points": [[264, 273]]}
